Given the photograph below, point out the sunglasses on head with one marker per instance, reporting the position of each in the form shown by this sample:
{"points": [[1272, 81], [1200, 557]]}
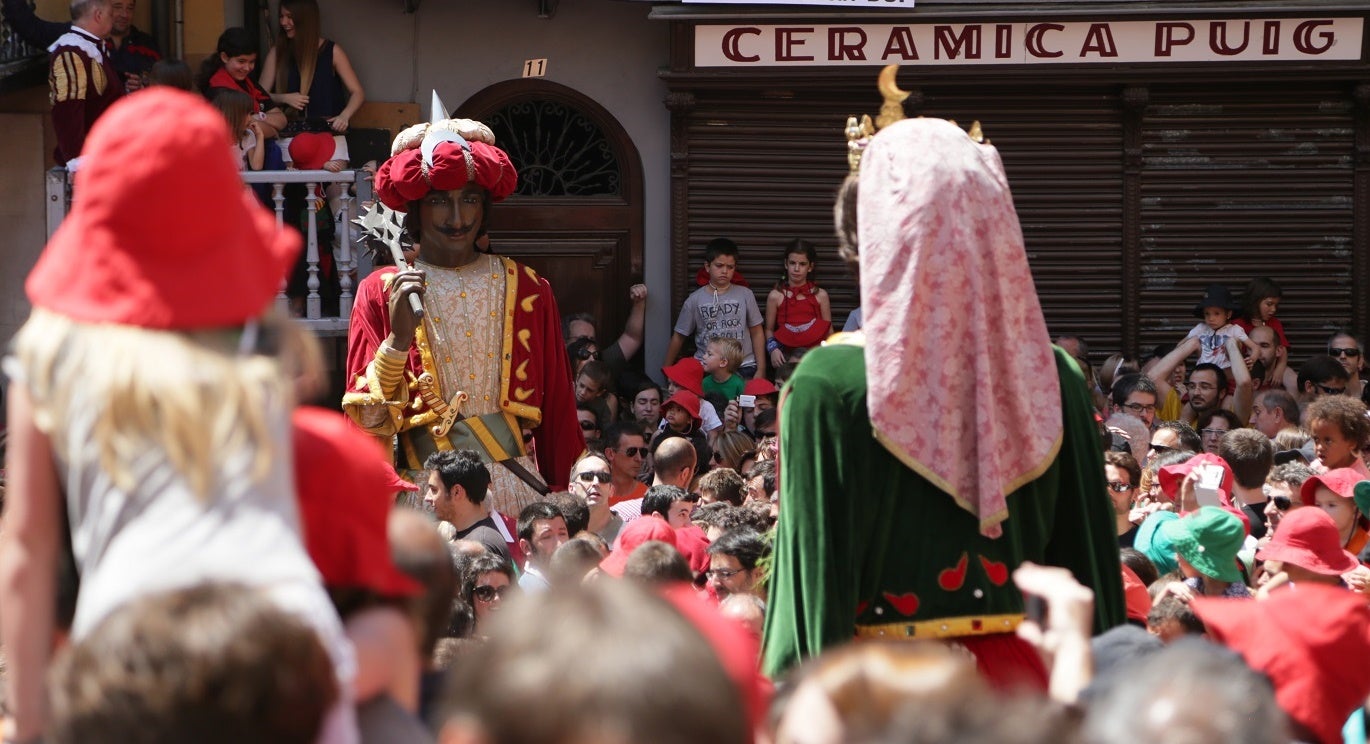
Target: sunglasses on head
{"points": [[589, 476], [487, 593], [1351, 352]]}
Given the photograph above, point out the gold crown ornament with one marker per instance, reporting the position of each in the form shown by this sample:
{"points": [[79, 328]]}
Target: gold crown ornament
{"points": [[859, 132]]}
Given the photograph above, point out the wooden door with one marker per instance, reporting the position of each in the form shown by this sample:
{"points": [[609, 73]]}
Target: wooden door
{"points": [[576, 217]]}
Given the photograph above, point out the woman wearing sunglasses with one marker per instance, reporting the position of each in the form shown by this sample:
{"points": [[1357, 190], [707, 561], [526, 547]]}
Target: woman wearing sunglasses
{"points": [[486, 580], [1122, 474]]}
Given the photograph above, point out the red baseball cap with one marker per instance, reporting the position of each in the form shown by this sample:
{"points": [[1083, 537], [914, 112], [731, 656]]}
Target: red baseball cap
{"points": [[1308, 538], [345, 500], [1341, 481], [1312, 642], [687, 373], [162, 232], [1171, 476], [759, 386], [633, 534], [694, 545], [310, 150]]}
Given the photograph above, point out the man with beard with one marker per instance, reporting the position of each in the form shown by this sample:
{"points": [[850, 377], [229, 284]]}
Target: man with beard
{"points": [[485, 363], [1208, 384], [1268, 358]]}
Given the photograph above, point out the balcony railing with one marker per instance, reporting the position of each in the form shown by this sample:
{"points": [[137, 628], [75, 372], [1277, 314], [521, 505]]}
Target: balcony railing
{"points": [[21, 64], [348, 264]]}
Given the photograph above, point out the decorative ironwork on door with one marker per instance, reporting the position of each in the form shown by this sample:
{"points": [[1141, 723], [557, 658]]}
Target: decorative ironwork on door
{"points": [[557, 149]]}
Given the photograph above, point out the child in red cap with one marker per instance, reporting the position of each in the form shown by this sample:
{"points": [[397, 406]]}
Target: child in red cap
{"points": [[681, 413]]}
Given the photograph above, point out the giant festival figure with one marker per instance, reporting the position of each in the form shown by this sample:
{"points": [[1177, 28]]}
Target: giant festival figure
{"points": [[481, 366]]}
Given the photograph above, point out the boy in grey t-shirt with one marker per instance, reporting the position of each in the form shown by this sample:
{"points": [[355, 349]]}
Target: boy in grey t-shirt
{"points": [[721, 308]]}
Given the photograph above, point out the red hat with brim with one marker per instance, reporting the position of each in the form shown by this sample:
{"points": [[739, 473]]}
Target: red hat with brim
{"points": [[310, 150], [633, 534], [688, 401], [405, 177], [816, 331], [1308, 538], [759, 386], [1341, 481], [1312, 642], [162, 232], [687, 373], [345, 500], [1171, 476]]}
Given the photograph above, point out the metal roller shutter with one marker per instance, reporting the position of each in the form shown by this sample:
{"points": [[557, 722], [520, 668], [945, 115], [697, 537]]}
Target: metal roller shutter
{"points": [[763, 170], [1239, 182]]}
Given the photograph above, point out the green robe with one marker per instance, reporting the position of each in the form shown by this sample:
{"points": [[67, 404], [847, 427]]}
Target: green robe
{"points": [[862, 539]]}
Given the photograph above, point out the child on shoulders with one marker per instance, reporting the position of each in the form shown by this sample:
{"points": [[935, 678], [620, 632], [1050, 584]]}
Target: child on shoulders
{"points": [[1216, 308]]}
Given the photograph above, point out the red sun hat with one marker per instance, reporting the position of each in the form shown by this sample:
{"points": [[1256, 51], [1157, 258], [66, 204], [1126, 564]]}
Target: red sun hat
{"points": [[633, 534], [1341, 481], [405, 177], [759, 386], [310, 150], [687, 373], [162, 233], [345, 500], [1311, 642], [686, 400], [1308, 538], [816, 331], [1171, 476]]}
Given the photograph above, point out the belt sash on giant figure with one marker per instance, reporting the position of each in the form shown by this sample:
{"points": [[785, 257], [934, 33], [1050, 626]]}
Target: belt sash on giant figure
{"points": [[496, 437]]}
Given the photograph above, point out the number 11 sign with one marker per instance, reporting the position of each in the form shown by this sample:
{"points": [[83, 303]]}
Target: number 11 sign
{"points": [[535, 67]]}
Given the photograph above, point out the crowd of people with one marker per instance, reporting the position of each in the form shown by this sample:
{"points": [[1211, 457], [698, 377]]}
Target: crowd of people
{"points": [[510, 535]]}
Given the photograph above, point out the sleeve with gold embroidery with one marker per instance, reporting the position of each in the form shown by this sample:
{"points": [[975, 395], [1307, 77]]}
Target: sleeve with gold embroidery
{"points": [[68, 88], [377, 379]]}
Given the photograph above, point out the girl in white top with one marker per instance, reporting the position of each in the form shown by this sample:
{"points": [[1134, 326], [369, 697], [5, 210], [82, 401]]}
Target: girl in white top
{"points": [[148, 401]]}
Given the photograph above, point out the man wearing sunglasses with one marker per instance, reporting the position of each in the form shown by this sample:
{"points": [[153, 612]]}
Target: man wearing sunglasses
{"points": [[625, 449], [1319, 376], [590, 480]]}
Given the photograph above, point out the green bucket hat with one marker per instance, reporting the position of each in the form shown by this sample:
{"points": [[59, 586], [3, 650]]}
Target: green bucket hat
{"points": [[1153, 544], [1361, 495], [1209, 540]]}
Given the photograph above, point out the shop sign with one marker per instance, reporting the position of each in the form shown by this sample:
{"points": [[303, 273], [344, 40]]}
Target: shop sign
{"points": [[1035, 42]]}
